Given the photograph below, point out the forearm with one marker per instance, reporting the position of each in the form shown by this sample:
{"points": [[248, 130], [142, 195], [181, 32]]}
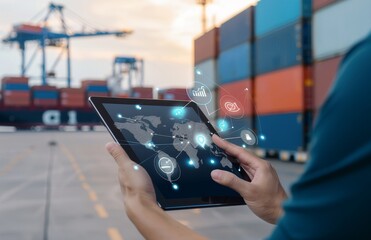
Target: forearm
{"points": [[153, 223]]}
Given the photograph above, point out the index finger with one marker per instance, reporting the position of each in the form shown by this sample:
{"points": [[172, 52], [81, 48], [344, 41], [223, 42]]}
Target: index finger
{"points": [[236, 151]]}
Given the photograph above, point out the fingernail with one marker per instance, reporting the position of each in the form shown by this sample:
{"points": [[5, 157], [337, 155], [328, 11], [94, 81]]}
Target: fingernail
{"points": [[216, 174]]}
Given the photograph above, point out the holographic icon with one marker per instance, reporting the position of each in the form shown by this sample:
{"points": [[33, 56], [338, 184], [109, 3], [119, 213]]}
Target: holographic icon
{"points": [[201, 140], [248, 137], [178, 112], [200, 94], [232, 107], [222, 124], [166, 165]]}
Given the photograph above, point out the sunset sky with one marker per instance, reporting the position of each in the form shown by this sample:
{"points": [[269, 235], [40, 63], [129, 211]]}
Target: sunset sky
{"points": [[163, 35]]}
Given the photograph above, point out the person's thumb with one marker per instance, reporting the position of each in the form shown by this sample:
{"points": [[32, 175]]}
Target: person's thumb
{"points": [[117, 153], [229, 180]]}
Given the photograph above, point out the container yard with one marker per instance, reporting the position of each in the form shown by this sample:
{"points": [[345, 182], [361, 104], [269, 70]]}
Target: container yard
{"points": [[268, 66]]}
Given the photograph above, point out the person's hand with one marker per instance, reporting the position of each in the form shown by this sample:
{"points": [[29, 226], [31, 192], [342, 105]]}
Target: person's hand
{"points": [[136, 185], [264, 194]]}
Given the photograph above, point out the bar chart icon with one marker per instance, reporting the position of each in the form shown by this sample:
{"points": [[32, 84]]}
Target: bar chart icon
{"points": [[200, 92]]}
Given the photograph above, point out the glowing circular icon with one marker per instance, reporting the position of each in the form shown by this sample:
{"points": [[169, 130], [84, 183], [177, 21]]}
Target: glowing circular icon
{"points": [[231, 106], [166, 165], [248, 137], [200, 94]]}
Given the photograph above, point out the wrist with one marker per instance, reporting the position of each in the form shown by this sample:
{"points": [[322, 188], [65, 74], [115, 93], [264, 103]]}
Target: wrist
{"points": [[137, 205]]}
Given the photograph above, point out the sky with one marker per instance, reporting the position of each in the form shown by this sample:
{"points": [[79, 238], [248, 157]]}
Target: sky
{"points": [[163, 36]]}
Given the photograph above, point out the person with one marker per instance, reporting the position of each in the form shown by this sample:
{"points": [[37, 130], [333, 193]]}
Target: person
{"points": [[330, 200]]}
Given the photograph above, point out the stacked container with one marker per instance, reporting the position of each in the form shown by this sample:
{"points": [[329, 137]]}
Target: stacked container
{"points": [[173, 94], [142, 92], [283, 85], [95, 88], [334, 32], [16, 91], [72, 97], [235, 74], [206, 48], [45, 96]]}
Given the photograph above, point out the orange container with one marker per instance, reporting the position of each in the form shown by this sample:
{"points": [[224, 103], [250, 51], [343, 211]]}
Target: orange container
{"points": [[235, 99], [45, 102], [284, 91], [324, 75], [97, 94], [73, 102], [142, 92], [29, 28], [14, 79], [206, 46]]}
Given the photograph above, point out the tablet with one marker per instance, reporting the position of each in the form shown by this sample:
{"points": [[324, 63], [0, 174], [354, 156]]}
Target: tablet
{"points": [[172, 141]]}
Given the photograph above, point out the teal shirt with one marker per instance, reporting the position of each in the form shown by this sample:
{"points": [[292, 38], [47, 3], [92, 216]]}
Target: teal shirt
{"points": [[332, 199]]}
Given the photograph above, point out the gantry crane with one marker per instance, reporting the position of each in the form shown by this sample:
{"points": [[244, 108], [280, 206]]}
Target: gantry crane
{"points": [[44, 36]]}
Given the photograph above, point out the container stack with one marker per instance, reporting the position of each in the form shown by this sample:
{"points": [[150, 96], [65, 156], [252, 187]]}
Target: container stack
{"points": [[45, 96], [95, 88], [206, 51], [283, 85], [72, 97], [173, 94], [16, 92], [330, 42], [142, 92], [235, 74]]}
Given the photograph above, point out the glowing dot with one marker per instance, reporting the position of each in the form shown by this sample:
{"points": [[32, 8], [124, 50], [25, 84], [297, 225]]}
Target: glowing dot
{"points": [[173, 136], [175, 186], [136, 167], [157, 89], [188, 142], [243, 145], [262, 137], [181, 142], [190, 162], [119, 115], [189, 126], [198, 72], [212, 161], [232, 126], [138, 107], [239, 169]]}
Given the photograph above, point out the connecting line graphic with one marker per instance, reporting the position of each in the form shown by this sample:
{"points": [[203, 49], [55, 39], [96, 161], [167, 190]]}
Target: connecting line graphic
{"points": [[210, 113], [231, 138], [187, 104], [182, 150]]}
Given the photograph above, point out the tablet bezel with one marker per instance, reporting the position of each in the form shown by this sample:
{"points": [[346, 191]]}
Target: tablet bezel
{"points": [[166, 204]]}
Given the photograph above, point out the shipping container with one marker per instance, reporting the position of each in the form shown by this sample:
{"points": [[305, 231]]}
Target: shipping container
{"points": [[17, 94], [282, 132], [234, 64], [318, 4], [45, 94], [337, 27], [92, 82], [324, 75], [173, 94], [286, 47], [230, 129], [71, 91], [206, 73], [28, 28], [73, 103], [97, 94], [15, 87], [287, 90], [14, 79], [17, 102], [206, 46], [271, 15], [95, 88], [45, 102], [237, 30], [142, 92], [235, 99]]}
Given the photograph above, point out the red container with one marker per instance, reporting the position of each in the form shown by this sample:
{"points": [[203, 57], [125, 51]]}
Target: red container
{"points": [[235, 99], [324, 75], [23, 80], [17, 94], [284, 91], [206, 46], [73, 102], [173, 94], [142, 92], [17, 102], [44, 88], [122, 95], [28, 28], [318, 4], [45, 102], [92, 82], [97, 94]]}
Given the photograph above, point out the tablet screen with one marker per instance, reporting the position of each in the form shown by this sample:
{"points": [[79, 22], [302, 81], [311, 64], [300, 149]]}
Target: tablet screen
{"points": [[173, 143]]}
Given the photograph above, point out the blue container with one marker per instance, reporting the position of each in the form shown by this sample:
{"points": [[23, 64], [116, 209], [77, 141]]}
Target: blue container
{"points": [[16, 87], [283, 48], [94, 88], [281, 131], [237, 30], [234, 64], [273, 14], [44, 94], [230, 128]]}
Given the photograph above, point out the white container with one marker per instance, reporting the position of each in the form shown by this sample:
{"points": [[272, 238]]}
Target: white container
{"points": [[337, 27], [205, 72]]}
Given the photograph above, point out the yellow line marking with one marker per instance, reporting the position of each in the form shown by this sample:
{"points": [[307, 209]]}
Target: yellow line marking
{"points": [[8, 167], [82, 177], [114, 234], [101, 211], [196, 211], [93, 196], [85, 186]]}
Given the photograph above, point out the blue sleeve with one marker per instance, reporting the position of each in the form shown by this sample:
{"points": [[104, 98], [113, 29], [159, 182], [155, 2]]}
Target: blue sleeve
{"points": [[331, 200]]}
